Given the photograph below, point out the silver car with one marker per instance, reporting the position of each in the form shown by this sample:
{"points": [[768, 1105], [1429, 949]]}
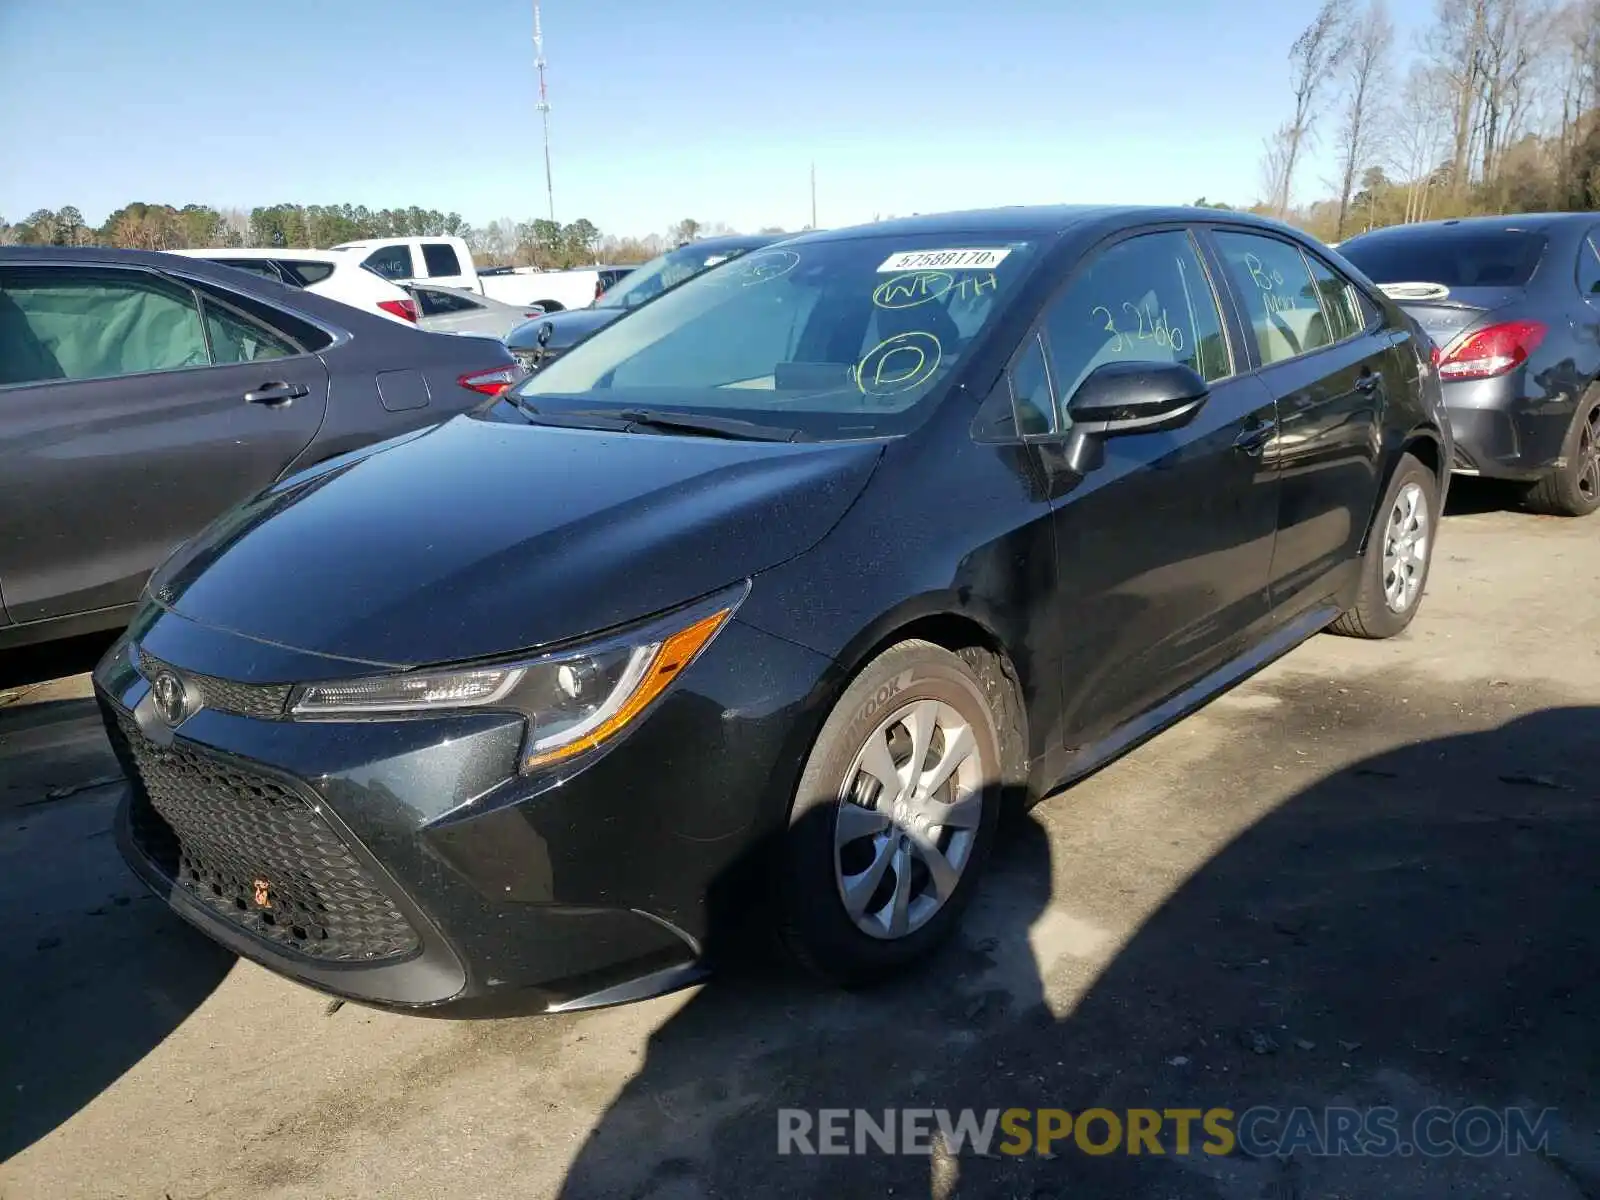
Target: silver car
{"points": [[443, 309]]}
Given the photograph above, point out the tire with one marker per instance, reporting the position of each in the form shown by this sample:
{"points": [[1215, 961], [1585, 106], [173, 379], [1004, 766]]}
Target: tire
{"points": [[1574, 489], [549, 306], [1393, 543], [901, 913]]}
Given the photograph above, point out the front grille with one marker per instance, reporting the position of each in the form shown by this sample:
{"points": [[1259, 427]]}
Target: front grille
{"points": [[265, 701], [252, 850]]}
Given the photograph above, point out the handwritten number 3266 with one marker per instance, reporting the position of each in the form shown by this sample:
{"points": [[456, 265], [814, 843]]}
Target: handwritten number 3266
{"points": [[1150, 327]]}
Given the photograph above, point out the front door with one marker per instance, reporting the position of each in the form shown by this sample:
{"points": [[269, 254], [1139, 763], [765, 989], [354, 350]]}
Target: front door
{"points": [[1165, 546], [127, 422], [1329, 368]]}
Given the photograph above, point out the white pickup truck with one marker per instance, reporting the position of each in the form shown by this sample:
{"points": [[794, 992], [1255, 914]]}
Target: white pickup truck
{"points": [[447, 261]]}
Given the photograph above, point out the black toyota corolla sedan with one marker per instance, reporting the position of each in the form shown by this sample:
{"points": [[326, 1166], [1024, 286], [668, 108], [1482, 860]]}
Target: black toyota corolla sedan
{"points": [[766, 600]]}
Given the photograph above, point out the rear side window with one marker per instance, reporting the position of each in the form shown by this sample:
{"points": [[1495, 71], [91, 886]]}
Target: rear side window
{"points": [[303, 273], [441, 258], [87, 323], [1456, 257], [237, 340], [1279, 297], [390, 262], [432, 302], [1147, 299], [254, 266], [293, 328], [1339, 301], [1588, 267]]}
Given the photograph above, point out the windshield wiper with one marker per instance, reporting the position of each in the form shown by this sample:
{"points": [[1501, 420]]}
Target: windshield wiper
{"points": [[707, 426], [625, 420]]}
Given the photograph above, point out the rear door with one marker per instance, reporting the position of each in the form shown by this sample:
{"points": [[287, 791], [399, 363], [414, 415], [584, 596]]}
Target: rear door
{"points": [[1328, 361], [132, 412], [1165, 546]]}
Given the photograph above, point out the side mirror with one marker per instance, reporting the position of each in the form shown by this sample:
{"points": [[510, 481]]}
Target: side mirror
{"points": [[1128, 397], [1136, 397]]}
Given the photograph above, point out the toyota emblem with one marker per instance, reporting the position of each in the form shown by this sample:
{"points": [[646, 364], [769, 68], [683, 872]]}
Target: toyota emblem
{"points": [[171, 698]]}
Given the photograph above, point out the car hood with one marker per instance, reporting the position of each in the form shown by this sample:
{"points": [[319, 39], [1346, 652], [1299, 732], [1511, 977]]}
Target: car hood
{"points": [[565, 328], [481, 537]]}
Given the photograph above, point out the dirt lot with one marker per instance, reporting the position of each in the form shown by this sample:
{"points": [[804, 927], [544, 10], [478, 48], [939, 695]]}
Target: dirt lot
{"points": [[1371, 875]]}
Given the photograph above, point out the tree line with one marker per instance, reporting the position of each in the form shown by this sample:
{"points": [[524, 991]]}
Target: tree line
{"points": [[1494, 108], [505, 242]]}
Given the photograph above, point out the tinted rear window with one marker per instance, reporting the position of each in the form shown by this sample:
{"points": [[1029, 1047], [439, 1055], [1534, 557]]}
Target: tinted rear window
{"points": [[1457, 258]]}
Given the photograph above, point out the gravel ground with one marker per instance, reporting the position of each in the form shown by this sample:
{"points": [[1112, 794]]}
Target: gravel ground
{"points": [[1367, 876]]}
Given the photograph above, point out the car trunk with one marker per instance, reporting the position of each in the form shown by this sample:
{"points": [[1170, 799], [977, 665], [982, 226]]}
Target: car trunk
{"points": [[1446, 313]]}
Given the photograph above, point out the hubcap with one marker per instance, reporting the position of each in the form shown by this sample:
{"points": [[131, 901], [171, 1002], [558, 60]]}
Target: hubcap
{"points": [[908, 816], [1588, 457], [1405, 548]]}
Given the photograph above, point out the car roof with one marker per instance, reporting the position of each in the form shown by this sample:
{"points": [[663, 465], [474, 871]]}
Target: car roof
{"points": [[328, 256], [1511, 222], [1039, 221]]}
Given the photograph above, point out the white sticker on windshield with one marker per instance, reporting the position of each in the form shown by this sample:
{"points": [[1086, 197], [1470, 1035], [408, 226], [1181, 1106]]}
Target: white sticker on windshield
{"points": [[969, 259]]}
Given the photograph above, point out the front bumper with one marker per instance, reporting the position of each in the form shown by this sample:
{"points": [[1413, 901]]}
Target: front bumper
{"points": [[405, 864]]}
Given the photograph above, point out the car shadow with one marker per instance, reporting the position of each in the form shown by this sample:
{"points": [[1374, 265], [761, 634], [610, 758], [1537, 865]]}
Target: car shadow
{"points": [[1471, 495], [94, 972], [1421, 927]]}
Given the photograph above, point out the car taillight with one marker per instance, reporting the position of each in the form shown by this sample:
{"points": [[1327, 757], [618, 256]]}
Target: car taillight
{"points": [[406, 310], [599, 288], [1492, 351], [491, 382]]}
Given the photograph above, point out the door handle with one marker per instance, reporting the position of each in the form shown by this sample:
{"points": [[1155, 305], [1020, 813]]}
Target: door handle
{"points": [[276, 395], [1251, 440]]}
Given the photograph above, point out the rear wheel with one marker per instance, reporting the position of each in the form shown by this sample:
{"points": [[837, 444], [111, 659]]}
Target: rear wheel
{"points": [[1573, 490], [893, 818], [1399, 551], [549, 306]]}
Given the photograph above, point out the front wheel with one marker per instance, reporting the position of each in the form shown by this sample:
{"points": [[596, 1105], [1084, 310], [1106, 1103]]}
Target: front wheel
{"points": [[893, 817], [1399, 552], [1573, 489]]}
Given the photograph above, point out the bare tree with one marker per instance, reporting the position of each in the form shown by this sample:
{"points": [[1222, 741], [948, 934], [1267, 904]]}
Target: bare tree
{"points": [[1455, 46], [1515, 34], [1313, 59], [1274, 164], [1365, 74], [1422, 133], [235, 226]]}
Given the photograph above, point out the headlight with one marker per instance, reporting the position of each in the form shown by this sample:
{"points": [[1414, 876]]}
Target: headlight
{"points": [[573, 699]]}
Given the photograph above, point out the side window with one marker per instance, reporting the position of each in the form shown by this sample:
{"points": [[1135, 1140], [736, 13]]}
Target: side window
{"points": [[254, 266], [304, 273], [1588, 267], [1339, 303], [1279, 297], [1031, 404], [391, 262], [235, 340], [441, 258], [433, 302], [1147, 299], [84, 323]]}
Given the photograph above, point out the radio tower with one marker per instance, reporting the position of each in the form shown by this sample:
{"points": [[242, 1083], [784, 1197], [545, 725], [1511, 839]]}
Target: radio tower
{"points": [[543, 106]]}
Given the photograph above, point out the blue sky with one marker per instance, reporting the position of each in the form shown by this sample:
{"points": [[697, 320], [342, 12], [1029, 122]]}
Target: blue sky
{"points": [[661, 109]]}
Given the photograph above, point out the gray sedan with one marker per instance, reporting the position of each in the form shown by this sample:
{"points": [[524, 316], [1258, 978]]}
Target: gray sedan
{"points": [[142, 395], [443, 309]]}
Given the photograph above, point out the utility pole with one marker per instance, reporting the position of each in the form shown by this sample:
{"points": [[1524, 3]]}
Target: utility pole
{"points": [[813, 195], [543, 106]]}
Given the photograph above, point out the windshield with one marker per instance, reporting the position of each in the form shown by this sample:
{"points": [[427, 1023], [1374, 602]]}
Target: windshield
{"points": [[1454, 257], [838, 339], [660, 273]]}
